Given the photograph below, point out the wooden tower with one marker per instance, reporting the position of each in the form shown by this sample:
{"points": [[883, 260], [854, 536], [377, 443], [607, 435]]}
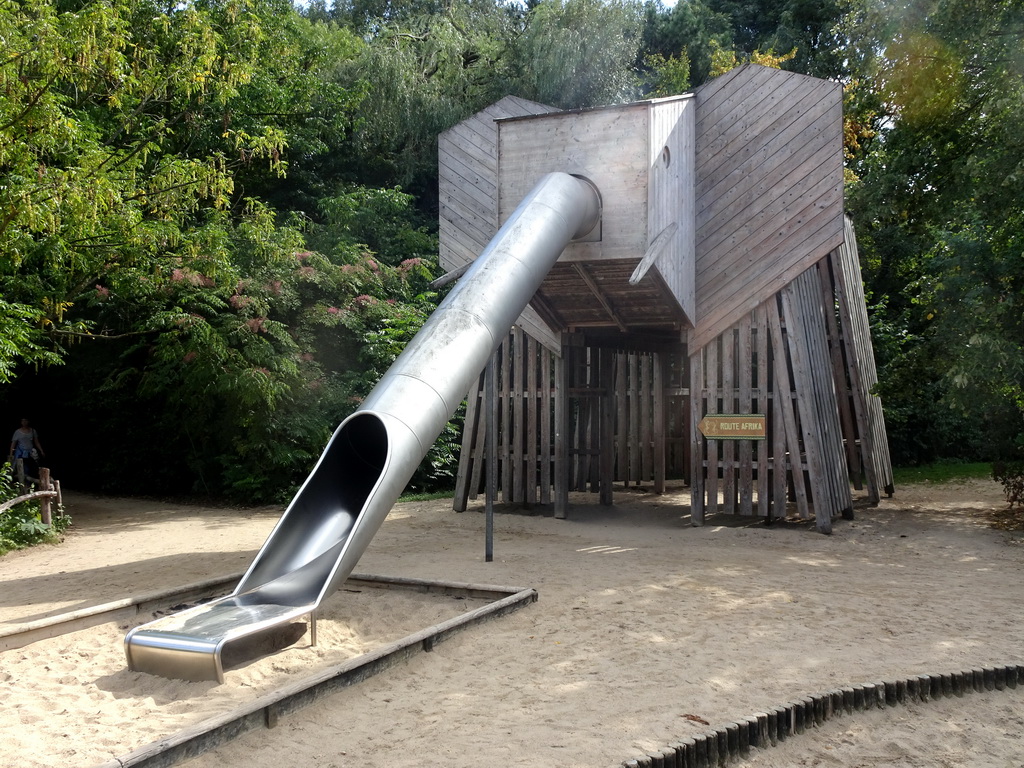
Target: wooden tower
{"points": [[724, 282]]}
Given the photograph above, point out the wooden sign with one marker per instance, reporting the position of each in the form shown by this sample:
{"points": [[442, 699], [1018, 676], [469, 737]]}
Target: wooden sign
{"points": [[733, 426]]}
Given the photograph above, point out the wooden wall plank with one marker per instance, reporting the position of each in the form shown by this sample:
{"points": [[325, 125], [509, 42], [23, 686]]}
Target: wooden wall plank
{"points": [[505, 419], [780, 395], [468, 192], [816, 399], [815, 236], [546, 437], [725, 99], [607, 146], [782, 178], [622, 419], [531, 436], [518, 441], [646, 454], [767, 121], [634, 418], [761, 136], [671, 198], [470, 434]]}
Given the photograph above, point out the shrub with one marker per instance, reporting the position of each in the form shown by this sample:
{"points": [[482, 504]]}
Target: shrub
{"points": [[22, 526], [1011, 475]]}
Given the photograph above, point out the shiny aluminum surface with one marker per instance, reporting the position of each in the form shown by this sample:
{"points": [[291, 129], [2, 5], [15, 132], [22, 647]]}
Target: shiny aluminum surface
{"points": [[370, 458]]}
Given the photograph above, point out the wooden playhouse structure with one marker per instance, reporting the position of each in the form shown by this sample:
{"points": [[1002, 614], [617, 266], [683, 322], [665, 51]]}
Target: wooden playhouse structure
{"points": [[713, 330]]}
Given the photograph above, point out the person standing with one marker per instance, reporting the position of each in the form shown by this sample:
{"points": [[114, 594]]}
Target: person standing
{"points": [[25, 445]]}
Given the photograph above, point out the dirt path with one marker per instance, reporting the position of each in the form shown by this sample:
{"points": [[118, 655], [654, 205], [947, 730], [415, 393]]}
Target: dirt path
{"points": [[643, 621]]}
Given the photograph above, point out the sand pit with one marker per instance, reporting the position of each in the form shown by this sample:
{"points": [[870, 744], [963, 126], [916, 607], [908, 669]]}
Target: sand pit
{"points": [[645, 627]]}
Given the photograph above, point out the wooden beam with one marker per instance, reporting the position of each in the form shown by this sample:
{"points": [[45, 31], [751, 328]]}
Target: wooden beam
{"points": [[543, 306], [587, 278]]}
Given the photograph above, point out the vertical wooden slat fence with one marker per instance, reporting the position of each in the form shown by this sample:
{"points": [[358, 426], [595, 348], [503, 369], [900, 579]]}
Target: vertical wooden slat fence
{"points": [[828, 477], [616, 412], [793, 359], [860, 366], [677, 415], [733, 375], [596, 416]]}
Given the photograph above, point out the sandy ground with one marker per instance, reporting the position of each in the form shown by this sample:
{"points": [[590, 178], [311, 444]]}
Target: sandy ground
{"points": [[645, 626]]}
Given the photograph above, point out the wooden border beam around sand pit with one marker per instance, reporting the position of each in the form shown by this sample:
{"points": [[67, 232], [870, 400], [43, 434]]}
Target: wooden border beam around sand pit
{"points": [[731, 742], [21, 635], [265, 711]]}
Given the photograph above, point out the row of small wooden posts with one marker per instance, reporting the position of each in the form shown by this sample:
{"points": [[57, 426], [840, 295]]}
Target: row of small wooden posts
{"points": [[596, 416]]}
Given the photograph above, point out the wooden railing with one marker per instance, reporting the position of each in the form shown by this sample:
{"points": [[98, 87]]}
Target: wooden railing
{"points": [[50, 491]]}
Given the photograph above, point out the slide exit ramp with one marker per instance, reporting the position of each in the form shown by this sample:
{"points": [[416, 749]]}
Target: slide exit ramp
{"points": [[373, 454]]}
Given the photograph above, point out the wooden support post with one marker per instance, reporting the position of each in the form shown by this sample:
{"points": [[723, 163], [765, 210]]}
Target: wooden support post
{"points": [[784, 396], [760, 331], [464, 488], [44, 502], [491, 404], [606, 437], [561, 398], [519, 438], [745, 449], [711, 473], [659, 423], [696, 439], [545, 425], [531, 456]]}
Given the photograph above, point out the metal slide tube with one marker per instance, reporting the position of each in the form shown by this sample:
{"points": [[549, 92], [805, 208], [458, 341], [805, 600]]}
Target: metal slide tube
{"points": [[370, 458], [413, 401]]}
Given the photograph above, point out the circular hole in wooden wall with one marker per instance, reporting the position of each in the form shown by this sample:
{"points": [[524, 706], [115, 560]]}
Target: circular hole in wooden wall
{"points": [[666, 157]]}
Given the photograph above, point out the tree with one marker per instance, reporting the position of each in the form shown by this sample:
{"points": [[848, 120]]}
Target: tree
{"points": [[579, 53], [141, 148], [688, 31], [939, 200]]}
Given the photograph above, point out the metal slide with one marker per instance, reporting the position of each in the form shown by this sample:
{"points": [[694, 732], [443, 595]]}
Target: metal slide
{"points": [[370, 458]]}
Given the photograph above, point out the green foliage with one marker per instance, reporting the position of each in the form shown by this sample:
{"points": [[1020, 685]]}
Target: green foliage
{"points": [[941, 472], [939, 208], [687, 32], [20, 340], [22, 526], [100, 113], [1010, 474], [424, 68], [220, 216], [579, 53], [669, 76]]}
